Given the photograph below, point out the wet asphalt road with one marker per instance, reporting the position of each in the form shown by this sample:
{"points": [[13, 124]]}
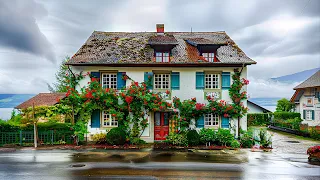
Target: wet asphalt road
{"points": [[65, 164]]}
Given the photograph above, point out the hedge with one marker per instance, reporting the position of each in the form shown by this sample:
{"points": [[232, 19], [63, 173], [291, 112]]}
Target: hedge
{"points": [[7, 127], [286, 115], [258, 119]]}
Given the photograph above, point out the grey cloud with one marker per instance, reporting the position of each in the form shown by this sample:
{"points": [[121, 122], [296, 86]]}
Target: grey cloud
{"points": [[19, 29]]}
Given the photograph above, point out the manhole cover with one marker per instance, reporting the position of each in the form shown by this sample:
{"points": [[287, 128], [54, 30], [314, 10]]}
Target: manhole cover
{"points": [[293, 141], [78, 165]]}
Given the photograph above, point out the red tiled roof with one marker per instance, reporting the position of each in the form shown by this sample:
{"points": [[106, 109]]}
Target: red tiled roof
{"points": [[42, 99]]}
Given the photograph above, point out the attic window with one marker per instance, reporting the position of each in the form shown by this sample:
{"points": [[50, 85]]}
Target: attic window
{"points": [[208, 56], [162, 56]]}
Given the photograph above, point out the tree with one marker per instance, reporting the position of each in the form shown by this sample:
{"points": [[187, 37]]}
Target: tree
{"points": [[284, 105], [61, 78]]}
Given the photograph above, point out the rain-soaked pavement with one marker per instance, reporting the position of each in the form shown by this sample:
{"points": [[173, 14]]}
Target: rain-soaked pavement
{"points": [[148, 164]]}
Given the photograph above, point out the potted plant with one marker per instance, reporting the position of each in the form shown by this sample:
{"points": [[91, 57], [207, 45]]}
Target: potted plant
{"points": [[314, 153]]}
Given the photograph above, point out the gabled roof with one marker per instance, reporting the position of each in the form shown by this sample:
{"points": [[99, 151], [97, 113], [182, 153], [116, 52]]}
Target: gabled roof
{"points": [[254, 104], [42, 99], [312, 81], [133, 48], [297, 95]]}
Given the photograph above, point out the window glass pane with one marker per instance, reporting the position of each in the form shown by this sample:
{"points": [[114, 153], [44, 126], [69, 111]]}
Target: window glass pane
{"points": [[166, 119], [157, 117], [158, 54]]}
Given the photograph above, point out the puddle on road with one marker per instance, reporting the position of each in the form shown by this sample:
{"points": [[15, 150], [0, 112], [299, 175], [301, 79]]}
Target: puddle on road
{"points": [[154, 156]]}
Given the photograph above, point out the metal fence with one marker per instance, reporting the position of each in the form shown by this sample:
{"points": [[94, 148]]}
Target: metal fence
{"points": [[45, 137]]}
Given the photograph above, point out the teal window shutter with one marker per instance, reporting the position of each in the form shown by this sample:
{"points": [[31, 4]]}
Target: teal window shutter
{"points": [[146, 79], [304, 114], [312, 114], [200, 122], [199, 80], [95, 74], [95, 119], [175, 80], [224, 122], [121, 82], [226, 80]]}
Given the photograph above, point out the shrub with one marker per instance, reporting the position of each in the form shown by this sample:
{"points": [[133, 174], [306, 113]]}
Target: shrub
{"points": [[289, 123], [177, 139], [137, 141], [286, 115], [207, 135], [47, 126], [99, 138], [193, 138], [6, 127], [258, 119], [235, 144], [314, 134], [224, 137], [116, 136], [264, 138], [246, 139]]}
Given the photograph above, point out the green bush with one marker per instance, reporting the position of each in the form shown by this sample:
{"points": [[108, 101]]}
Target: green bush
{"points": [[259, 119], [235, 144], [289, 123], [99, 138], [314, 134], [286, 115], [116, 136], [246, 139], [264, 138], [177, 139], [137, 141], [207, 135], [6, 127], [193, 138], [224, 137]]}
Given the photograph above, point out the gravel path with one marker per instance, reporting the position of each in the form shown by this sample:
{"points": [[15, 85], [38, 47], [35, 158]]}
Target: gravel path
{"points": [[281, 143]]}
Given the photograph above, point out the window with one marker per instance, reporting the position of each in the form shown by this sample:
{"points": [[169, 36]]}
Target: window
{"points": [[108, 120], [310, 101], [211, 120], [212, 81], [109, 80], [308, 115], [161, 81], [162, 57], [208, 56]]}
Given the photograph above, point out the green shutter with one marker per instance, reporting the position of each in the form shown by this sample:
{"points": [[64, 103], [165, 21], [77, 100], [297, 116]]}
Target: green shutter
{"points": [[200, 122], [224, 122], [95, 119], [304, 114], [121, 83], [225, 80], [175, 80], [95, 75], [199, 80], [312, 115], [146, 79]]}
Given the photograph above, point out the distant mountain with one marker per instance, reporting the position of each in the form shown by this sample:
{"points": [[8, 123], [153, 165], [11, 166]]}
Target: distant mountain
{"points": [[12, 100], [296, 77]]}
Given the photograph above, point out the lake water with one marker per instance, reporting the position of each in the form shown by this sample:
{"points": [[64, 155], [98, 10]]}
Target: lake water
{"points": [[5, 113]]}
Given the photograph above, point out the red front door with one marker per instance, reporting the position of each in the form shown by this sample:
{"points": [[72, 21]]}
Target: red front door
{"points": [[161, 125]]}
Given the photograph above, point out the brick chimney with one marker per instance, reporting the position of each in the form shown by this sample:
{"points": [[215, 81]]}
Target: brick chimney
{"points": [[160, 29]]}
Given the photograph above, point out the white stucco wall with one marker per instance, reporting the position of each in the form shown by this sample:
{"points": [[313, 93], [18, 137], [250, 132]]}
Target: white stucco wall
{"points": [[187, 86], [254, 109], [303, 106]]}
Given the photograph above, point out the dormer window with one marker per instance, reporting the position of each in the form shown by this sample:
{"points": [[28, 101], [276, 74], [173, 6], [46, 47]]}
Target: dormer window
{"points": [[162, 56], [208, 56]]}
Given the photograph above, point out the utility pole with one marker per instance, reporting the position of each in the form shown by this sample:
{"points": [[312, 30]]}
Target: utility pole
{"points": [[34, 128]]}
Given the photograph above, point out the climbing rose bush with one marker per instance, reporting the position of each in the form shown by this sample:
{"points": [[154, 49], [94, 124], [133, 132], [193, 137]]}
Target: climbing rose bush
{"points": [[312, 150]]}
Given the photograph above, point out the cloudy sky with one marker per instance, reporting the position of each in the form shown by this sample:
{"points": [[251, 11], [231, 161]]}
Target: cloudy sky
{"points": [[282, 36]]}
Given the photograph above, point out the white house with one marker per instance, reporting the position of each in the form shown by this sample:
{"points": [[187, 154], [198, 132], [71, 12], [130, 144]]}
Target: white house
{"points": [[188, 64], [255, 108], [307, 100]]}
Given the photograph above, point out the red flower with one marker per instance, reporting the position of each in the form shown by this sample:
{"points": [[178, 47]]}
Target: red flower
{"points": [[107, 90], [168, 92], [225, 115], [213, 109], [113, 115], [136, 83], [58, 100], [199, 106], [129, 99]]}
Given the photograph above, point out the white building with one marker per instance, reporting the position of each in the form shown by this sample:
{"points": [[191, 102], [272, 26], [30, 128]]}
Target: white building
{"points": [[307, 100], [187, 64]]}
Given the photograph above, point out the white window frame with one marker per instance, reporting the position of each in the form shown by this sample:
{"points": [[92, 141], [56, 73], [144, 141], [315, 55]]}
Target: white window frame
{"points": [[107, 120], [212, 81], [158, 80], [162, 56], [208, 56], [308, 115], [311, 101], [211, 120], [109, 80]]}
